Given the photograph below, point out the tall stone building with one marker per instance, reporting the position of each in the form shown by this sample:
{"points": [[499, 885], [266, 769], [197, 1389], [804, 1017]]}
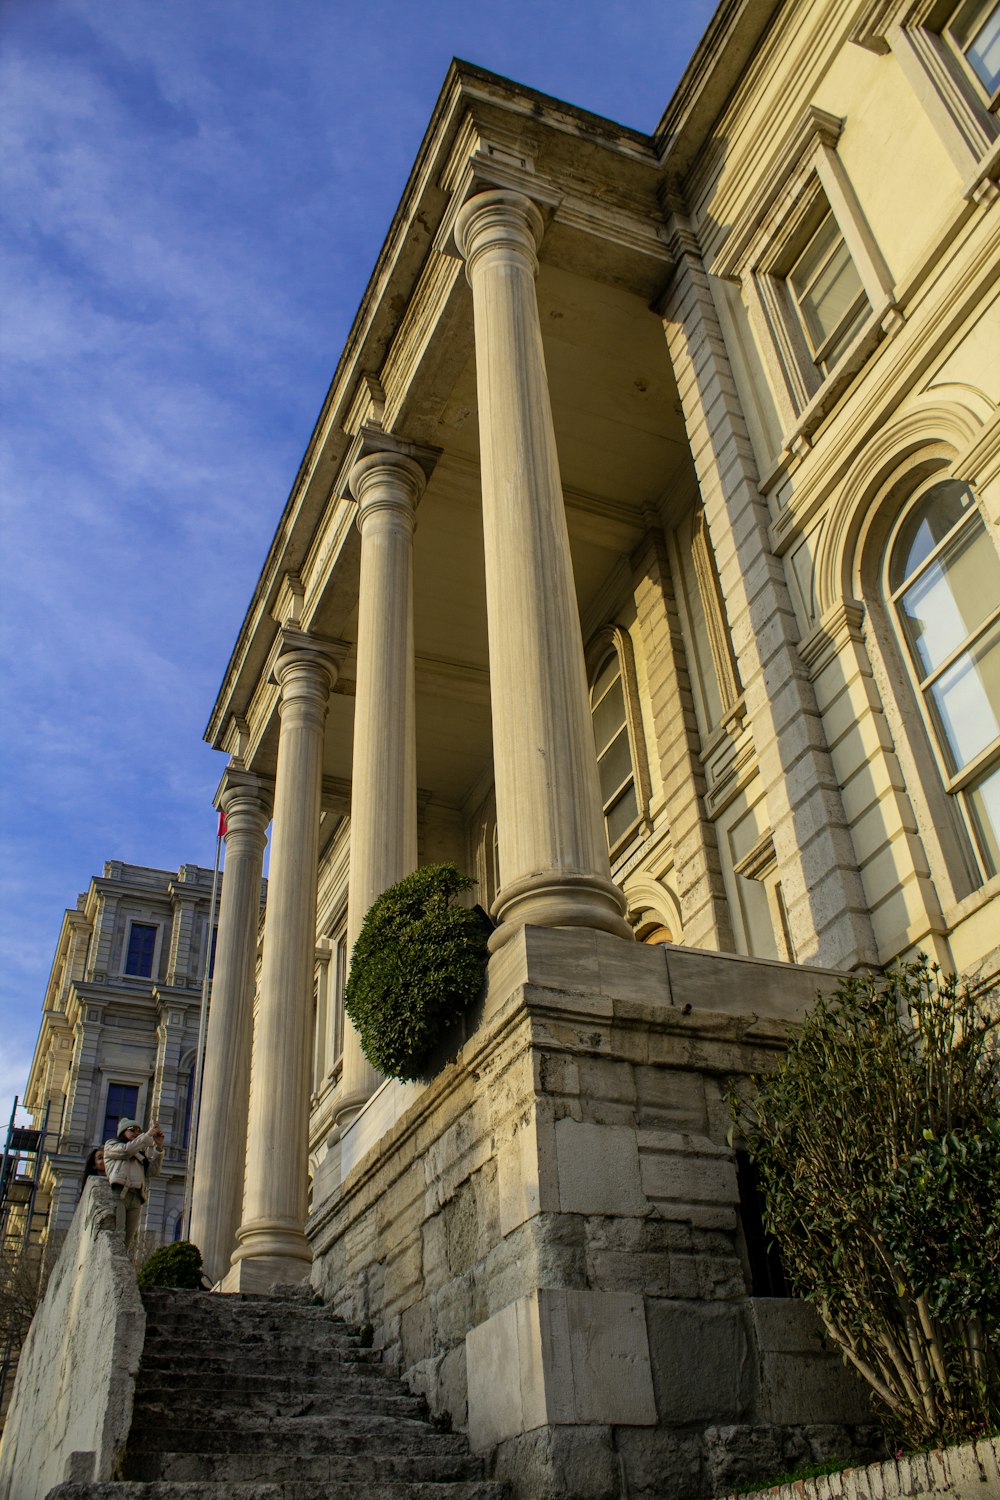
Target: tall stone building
{"points": [[120, 1027], [643, 561]]}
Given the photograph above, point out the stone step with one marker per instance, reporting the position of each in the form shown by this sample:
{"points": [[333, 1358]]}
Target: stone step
{"points": [[474, 1489], [297, 1435], [243, 1410], [368, 1467], [250, 1356], [251, 1346], [357, 1380], [162, 1368]]}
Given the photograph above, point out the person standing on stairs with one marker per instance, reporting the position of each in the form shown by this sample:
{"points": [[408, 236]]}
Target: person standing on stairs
{"points": [[129, 1161]]}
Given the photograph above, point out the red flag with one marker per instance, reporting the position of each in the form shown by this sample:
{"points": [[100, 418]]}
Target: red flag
{"points": [[223, 829]]}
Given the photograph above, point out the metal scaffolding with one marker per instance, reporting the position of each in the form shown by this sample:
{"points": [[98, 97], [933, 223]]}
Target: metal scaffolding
{"points": [[23, 1218]]}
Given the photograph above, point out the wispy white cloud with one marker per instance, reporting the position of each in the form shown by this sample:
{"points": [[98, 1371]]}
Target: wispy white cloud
{"points": [[194, 196]]}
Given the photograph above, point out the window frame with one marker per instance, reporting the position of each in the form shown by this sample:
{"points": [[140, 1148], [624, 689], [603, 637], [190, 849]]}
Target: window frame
{"points": [[157, 928], [124, 1113], [920, 36], [613, 640], [806, 179], [955, 783]]}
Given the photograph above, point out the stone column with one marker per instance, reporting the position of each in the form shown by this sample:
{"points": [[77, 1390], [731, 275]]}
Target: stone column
{"points": [[553, 854], [222, 1128], [387, 487], [272, 1245]]}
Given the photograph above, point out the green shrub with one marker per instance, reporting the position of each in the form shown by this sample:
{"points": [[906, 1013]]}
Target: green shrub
{"points": [[177, 1265], [418, 962], [878, 1145]]}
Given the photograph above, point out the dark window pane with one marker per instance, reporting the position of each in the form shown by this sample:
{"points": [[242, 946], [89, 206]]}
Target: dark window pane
{"points": [[122, 1100], [615, 766], [926, 525], [983, 52], [621, 815], [609, 715], [141, 943]]}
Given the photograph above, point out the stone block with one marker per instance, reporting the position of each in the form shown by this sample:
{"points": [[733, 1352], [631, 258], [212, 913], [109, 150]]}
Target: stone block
{"points": [[658, 1462], [596, 1353], [702, 1361], [415, 1335], [559, 1358], [527, 1182], [457, 1307], [686, 1169], [505, 1375], [802, 1380], [671, 1098], [461, 1230], [598, 1169], [551, 1463]]}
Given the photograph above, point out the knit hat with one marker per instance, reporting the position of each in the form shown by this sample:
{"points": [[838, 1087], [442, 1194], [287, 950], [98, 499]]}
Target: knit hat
{"points": [[126, 1124]]}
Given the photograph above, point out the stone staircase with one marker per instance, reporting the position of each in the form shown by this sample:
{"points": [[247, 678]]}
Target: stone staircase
{"points": [[272, 1398]]}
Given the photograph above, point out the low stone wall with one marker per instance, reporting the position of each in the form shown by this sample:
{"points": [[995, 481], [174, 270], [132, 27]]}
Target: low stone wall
{"points": [[968, 1472], [72, 1403], [545, 1235]]}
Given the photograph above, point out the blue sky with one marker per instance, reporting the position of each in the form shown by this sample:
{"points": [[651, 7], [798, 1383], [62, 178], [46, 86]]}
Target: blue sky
{"points": [[194, 193]]}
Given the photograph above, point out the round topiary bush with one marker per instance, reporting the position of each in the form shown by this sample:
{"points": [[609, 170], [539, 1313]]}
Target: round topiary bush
{"points": [[177, 1265], [418, 962]]}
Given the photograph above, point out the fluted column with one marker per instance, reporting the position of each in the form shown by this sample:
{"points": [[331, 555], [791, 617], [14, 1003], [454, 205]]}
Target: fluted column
{"points": [[387, 487], [272, 1245], [222, 1125], [554, 858]]}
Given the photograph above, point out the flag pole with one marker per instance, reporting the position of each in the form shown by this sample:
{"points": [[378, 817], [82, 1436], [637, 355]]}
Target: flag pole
{"points": [[199, 1060]]}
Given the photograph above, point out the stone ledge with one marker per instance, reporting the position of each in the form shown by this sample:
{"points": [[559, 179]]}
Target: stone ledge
{"points": [[970, 1471]]}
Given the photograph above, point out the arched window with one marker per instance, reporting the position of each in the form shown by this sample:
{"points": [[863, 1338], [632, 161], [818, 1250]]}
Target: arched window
{"points": [[943, 580]]}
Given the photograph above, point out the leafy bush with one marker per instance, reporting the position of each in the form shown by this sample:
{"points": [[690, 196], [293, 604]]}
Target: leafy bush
{"points": [[177, 1265], [418, 962], [878, 1144]]}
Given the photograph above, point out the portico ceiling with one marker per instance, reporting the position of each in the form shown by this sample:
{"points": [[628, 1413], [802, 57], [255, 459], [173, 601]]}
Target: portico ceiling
{"points": [[616, 412]]}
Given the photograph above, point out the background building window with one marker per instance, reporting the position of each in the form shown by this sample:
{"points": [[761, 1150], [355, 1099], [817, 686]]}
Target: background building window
{"points": [[614, 753], [827, 292], [944, 582], [975, 31], [141, 948], [122, 1100]]}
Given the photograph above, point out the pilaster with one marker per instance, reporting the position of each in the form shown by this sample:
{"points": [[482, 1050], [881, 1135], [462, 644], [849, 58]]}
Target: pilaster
{"points": [[825, 900]]}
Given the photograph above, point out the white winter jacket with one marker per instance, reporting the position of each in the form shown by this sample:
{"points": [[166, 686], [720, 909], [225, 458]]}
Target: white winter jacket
{"points": [[123, 1162]]}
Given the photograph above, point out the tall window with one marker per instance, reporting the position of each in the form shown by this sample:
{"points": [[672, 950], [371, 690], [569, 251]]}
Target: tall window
{"points": [[122, 1101], [141, 947], [974, 30], [944, 582], [614, 753], [827, 292]]}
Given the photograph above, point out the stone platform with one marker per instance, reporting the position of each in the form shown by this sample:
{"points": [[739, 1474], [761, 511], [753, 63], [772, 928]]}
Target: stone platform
{"points": [[546, 1234]]}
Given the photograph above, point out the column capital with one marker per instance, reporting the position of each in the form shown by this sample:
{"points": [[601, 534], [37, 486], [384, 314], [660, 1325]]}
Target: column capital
{"points": [[313, 655], [501, 223], [387, 480]]}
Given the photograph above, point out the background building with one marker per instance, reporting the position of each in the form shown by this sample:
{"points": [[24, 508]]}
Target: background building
{"points": [[120, 1028]]}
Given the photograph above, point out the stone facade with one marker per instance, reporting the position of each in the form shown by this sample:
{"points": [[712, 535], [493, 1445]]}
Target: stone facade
{"points": [[643, 562], [120, 1027], [548, 1239]]}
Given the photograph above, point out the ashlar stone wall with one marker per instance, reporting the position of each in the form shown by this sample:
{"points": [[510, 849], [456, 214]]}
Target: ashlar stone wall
{"points": [[547, 1238]]}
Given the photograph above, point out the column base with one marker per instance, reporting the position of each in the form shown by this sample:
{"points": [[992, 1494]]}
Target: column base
{"points": [[349, 1109], [270, 1250], [259, 1275], [559, 901]]}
